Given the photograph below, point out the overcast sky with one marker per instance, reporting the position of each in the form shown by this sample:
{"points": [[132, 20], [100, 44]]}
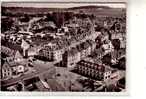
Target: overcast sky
{"points": [[60, 5]]}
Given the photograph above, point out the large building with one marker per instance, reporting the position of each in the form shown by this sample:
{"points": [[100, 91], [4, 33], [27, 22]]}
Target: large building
{"points": [[13, 67], [52, 52], [96, 71], [71, 57]]}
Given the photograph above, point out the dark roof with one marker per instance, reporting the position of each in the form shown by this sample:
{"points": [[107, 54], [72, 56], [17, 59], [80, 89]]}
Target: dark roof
{"points": [[85, 45], [7, 51], [10, 61], [79, 47], [13, 46]]}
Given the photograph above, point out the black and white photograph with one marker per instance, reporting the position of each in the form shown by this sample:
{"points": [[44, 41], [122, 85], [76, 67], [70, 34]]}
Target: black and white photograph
{"points": [[63, 47]]}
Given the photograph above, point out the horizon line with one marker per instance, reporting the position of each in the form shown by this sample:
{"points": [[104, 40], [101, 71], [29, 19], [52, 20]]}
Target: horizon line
{"points": [[60, 5]]}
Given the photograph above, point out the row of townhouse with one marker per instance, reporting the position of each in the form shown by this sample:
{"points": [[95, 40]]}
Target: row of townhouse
{"points": [[63, 44], [96, 71], [55, 51]]}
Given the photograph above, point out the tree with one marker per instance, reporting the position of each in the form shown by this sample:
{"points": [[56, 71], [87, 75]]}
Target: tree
{"points": [[116, 44], [68, 16], [25, 18], [92, 17], [6, 24], [122, 63], [107, 59], [19, 87], [50, 17], [58, 18]]}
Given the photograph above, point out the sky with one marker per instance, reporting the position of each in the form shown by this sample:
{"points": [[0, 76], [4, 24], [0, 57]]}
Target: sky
{"points": [[60, 5]]}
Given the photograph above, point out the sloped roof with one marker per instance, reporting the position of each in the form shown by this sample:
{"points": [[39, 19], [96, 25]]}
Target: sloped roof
{"points": [[4, 64], [7, 51], [10, 61], [18, 55], [24, 44], [12, 46]]}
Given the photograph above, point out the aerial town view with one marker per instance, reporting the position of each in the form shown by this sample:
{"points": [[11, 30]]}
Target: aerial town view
{"points": [[63, 47]]}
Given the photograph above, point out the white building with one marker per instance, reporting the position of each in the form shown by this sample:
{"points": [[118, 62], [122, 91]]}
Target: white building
{"points": [[25, 46], [108, 47]]}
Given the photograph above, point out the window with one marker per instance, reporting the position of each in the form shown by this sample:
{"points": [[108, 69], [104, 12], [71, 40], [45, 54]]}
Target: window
{"points": [[5, 74], [8, 73], [5, 70]]}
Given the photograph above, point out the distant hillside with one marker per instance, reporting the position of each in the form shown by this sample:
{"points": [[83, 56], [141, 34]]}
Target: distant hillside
{"points": [[96, 10], [99, 10], [89, 7], [29, 10]]}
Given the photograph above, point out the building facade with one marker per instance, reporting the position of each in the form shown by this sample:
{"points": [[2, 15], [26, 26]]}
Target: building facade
{"points": [[6, 71], [93, 70], [71, 57]]}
